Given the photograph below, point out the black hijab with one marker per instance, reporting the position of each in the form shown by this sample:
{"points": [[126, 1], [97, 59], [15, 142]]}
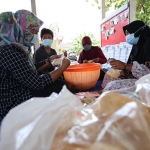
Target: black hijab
{"points": [[141, 50]]}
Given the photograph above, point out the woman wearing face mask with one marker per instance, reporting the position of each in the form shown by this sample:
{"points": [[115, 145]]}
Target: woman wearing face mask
{"points": [[19, 80], [91, 53], [137, 34], [45, 51]]}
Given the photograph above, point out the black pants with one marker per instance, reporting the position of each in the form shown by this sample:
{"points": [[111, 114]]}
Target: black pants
{"points": [[55, 87]]}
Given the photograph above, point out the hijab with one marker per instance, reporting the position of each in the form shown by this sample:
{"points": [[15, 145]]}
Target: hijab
{"points": [[86, 40], [10, 31], [27, 21], [141, 50], [13, 28]]}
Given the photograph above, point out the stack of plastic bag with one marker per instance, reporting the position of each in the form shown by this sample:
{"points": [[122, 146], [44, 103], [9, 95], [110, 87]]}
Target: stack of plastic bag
{"points": [[113, 122]]}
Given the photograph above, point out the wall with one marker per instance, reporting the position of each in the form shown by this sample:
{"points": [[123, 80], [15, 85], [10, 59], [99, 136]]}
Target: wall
{"points": [[118, 35]]}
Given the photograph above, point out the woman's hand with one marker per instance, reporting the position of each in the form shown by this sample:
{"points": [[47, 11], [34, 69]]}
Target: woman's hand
{"points": [[65, 53], [85, 61], [50, 59], [116, 64], [65, 63], [54, 57], [58, 72], [96, 60]]}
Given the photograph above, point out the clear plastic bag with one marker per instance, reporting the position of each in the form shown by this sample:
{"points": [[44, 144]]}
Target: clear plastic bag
{"points": [[60, 122], [143, 89], [114, 122]]}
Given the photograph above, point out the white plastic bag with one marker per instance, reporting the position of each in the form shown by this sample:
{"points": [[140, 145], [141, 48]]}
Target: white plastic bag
{"points": [[143, 89], [33, 124]]}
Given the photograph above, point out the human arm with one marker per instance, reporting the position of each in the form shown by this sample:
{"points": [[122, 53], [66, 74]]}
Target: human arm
{"points": [[17, 64], [80, 59], [47, 63], [117, 64], [40, 66], [40, 62], [101, 57], [57, 73], [139, 70]]}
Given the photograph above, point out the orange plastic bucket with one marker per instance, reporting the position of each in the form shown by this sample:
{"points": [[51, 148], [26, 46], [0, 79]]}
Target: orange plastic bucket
{"points": [[83, 76]]}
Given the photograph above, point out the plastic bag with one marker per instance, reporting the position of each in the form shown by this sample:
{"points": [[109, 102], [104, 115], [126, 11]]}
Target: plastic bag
{"points": [[143, 89], [114, 122], [113, 73], [32, 125], [106, 66], [87, 97], [58, 61]]}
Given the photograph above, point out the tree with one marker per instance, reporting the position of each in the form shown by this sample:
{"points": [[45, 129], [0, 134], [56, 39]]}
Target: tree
{"points": [[94, 3], [143, 11], [142, 7], [76, 44]]}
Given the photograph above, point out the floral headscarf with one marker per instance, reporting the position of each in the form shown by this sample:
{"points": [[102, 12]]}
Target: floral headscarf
{"points": [[10, 31], [14, 26], [27, 21]]}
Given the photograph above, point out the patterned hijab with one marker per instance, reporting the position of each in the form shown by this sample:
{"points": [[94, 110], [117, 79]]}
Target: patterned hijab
{"points": [[14, 26], [27, 21]]}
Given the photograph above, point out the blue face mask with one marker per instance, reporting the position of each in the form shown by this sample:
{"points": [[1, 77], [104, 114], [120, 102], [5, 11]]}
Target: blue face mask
{"points": [[87, 47], [131, 39], [47, 42]]}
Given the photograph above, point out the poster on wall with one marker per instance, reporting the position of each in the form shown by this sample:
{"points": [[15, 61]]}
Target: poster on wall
{"points": [[112, 27]]}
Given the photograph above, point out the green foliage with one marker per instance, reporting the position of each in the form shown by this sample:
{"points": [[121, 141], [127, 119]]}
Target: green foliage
{"points": [[76, 44], [94, 3], [143, 11], [116, 3], [142, 7]]}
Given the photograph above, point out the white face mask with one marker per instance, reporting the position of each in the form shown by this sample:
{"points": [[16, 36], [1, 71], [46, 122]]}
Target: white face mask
{"points": [[47, 42], [35, 38], [27, 38]]}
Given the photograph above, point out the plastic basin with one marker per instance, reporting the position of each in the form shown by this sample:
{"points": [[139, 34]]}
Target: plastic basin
{"points": [[83, 76]]}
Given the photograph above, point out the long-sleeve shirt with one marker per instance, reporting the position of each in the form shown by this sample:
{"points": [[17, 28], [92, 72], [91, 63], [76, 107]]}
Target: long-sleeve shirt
{"points": [[138, 71], [94, 52], [41, 55], [17, 78]]}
